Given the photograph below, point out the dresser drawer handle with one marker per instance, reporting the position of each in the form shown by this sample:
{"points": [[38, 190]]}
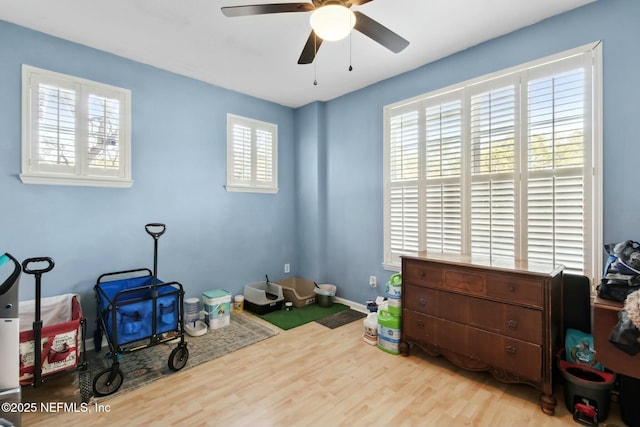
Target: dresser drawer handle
{"points": [[421, 273], [510, 349], [422, 301], [512, 288], [512, 324], [420, 322]]}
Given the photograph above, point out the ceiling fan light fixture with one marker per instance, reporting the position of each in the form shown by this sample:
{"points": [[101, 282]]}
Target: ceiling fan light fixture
{"points": [[332, 22]]}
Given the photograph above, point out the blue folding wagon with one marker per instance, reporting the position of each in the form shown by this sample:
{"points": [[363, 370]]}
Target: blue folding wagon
{"points": [[137, 311]]}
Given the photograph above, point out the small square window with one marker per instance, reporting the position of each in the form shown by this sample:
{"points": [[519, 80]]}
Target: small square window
{"points": [[252, 155], [74, 131]]}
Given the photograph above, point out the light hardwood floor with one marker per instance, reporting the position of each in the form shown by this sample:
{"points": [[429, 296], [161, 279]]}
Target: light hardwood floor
{"points": [[316, 376]]}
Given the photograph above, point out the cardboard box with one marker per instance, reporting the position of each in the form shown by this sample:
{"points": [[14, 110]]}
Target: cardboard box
{"points": [[299, 291]]}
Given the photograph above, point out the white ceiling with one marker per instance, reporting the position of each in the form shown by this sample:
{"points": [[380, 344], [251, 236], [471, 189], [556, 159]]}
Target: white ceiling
{"points": [[258, 55]]}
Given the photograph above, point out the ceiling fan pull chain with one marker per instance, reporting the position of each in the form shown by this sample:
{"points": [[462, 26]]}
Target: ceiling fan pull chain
{"points": [[315, 66], [350, 67]]}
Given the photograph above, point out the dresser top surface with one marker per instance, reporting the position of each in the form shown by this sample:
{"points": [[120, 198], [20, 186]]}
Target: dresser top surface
{"points": [[498, 264]]}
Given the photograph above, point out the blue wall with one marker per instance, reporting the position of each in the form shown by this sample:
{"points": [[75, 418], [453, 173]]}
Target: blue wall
{"points": [[327, 219], [214, 239], [310, 189]]}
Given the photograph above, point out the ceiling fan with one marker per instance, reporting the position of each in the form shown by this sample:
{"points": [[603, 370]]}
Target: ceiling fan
{"points": [[336, 11]]}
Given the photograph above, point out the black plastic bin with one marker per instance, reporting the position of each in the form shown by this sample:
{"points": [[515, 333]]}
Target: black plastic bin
{"points": [[263, 297], [587, 391], [629, 392]]}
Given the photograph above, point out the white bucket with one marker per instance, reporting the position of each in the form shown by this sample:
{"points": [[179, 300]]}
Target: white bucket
{"points": [[217, 307]]}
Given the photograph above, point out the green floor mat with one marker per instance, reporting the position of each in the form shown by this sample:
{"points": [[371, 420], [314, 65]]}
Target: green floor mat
{"points": [[299, 316]]}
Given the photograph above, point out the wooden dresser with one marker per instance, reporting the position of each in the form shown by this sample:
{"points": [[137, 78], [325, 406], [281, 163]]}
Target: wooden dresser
{"points": [[495, 315]]}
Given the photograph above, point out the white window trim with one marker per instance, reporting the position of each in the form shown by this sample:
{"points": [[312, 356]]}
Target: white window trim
{"points": [[81, 177], [594, 217], [253, 186]]}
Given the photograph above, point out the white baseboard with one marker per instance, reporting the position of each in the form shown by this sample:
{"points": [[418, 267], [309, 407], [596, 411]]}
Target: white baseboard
{"points": [[354, 305]]}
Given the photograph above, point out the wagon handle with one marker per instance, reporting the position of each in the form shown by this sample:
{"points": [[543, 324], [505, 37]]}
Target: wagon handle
{"points": [[37, 322], [37, 271], [155, 233], [155, 230]]}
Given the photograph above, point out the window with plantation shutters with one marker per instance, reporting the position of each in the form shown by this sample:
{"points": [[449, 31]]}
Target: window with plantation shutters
{"points": [[251, 155], [75, 131], [503, 166]]}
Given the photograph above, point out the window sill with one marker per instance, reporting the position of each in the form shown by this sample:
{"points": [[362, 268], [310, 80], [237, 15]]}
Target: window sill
{"points": [[235, 188], [75, 181], [392, 267]]}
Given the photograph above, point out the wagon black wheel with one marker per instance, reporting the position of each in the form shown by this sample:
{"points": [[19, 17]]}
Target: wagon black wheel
{"points": [[107, 382], [85, 385], [178, 358]]}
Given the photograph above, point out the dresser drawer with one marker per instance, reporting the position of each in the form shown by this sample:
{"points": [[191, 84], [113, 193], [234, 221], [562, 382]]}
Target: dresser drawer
{"points": [[453, 336], [418, 326], [446, 335], [464, 280], [455, 307], [517, 357], [510, 320], [421, 273], [515, 289], [420, 299], [448, 305]]}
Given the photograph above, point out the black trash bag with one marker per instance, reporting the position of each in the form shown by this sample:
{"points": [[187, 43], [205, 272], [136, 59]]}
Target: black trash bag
{"points": [[618, 287], [625, 335]]}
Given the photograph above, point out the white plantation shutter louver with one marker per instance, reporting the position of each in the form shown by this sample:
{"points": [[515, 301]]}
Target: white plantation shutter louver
{"points": [[443, 187], [264, 156], [251, 155], [556, 168], [504, 166], [103, 131], [493, 123], [241, 153], [75, 131], [403, 188], [55, 129]]}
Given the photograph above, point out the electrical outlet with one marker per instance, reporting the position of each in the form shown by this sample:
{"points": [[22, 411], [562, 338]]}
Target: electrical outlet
{"points": [[373, 282], [287, 268]]}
